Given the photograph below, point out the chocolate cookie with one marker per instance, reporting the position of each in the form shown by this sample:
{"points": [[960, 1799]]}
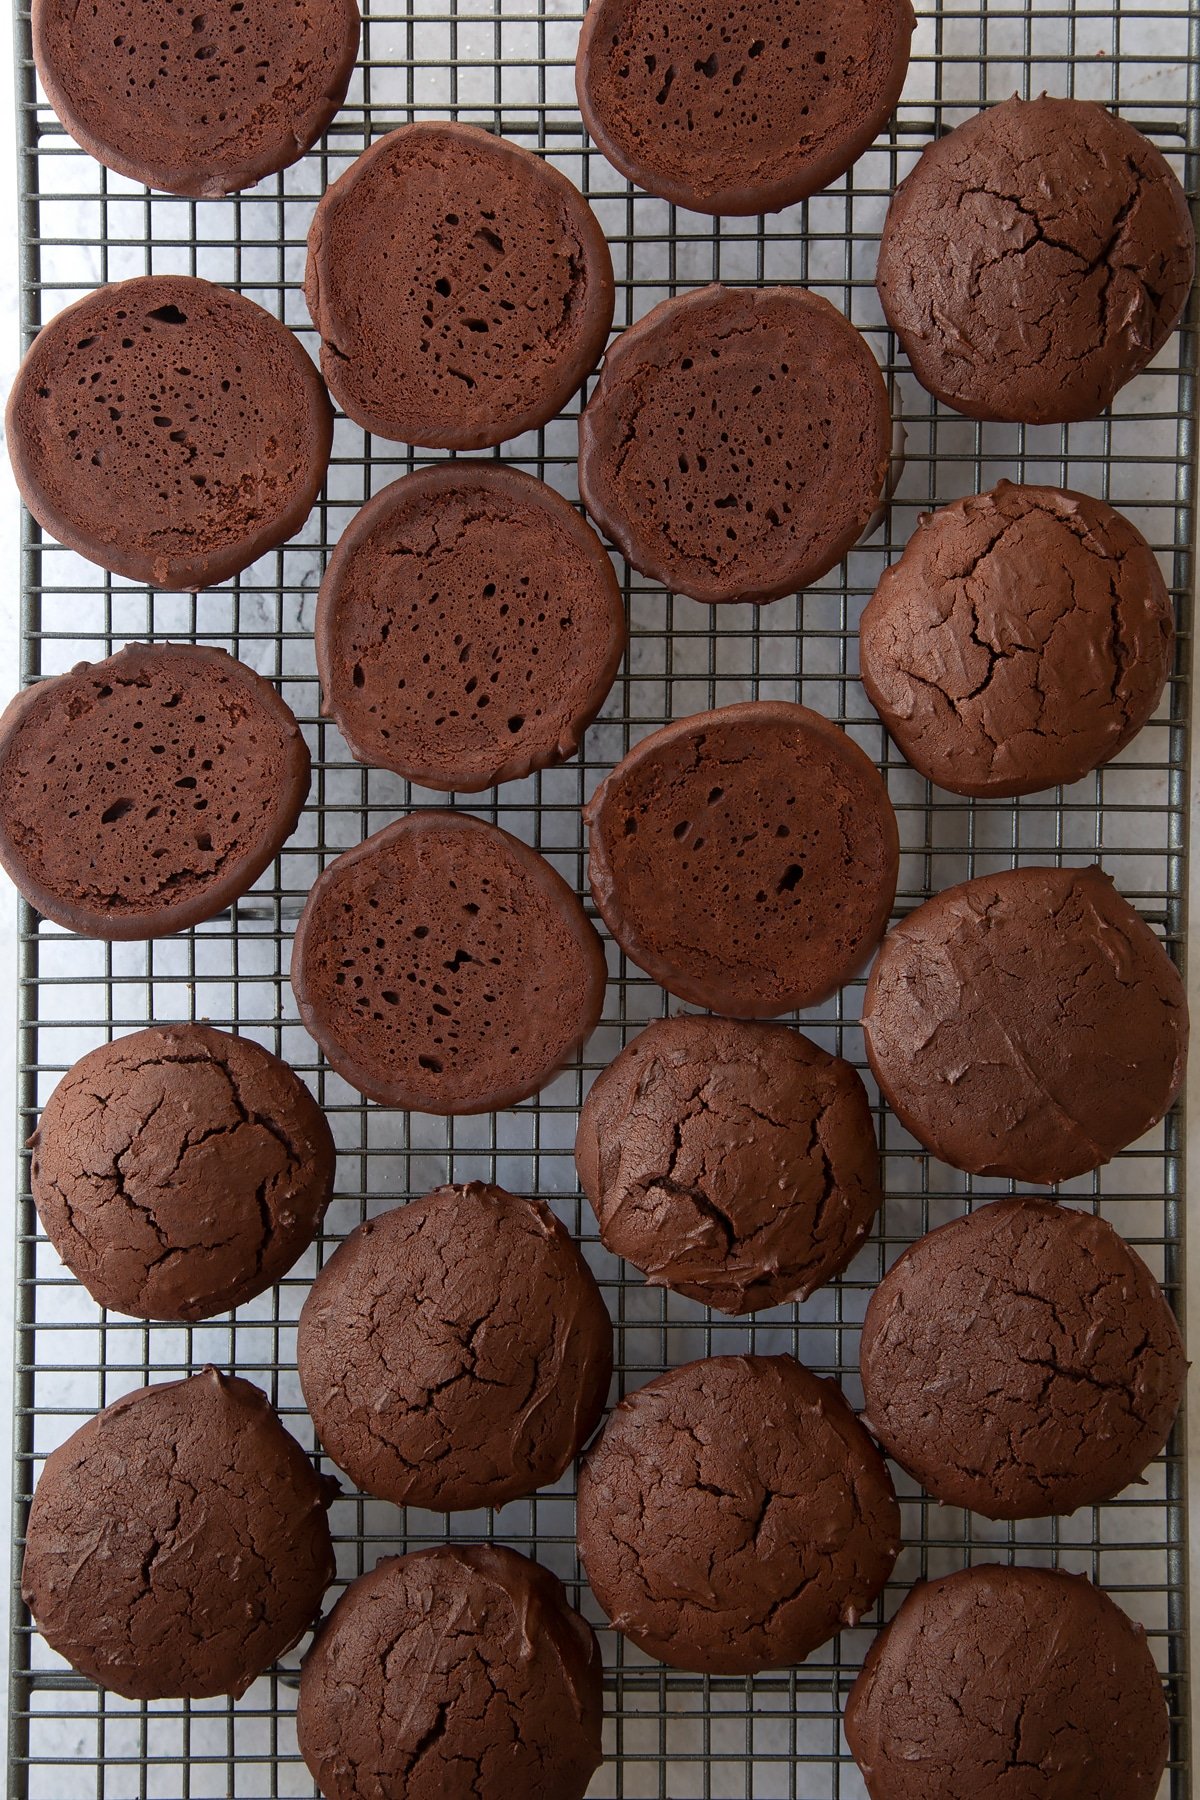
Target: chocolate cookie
{"points": [[461, 286], [1073, 257], [455, 1352], [1027, 1024], [739, 112], [455, 1672], [177, 1543], [735, 1163], [1021, 1361], [445, 967], [734, 1515], [180, 1171], [1024, 637], [469, 627], [737, 442], [1009, 1684], [196, 102], [145, 793], [169, 430], [745, 858]]}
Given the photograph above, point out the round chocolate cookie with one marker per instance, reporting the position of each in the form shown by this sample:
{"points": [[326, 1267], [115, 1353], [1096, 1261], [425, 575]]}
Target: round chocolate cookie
{"points": [[461, 286], [485, 1680], [1023, 638], [737, 442], [145, 793], [739, 111], [1073, 257], [177, 1543], [1027, 1024], [445, 967], [1021, 1361], [180, 1171], [1009, 1684], [455, 1352], [733, 1162], [469, 627], [196, 101], [169, 430], [745, 858], [734, 1515]]}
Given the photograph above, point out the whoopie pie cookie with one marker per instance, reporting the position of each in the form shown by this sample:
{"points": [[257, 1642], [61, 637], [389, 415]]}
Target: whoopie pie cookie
{"points": [[169, 430], [177, 1543], [148, 792], [1073, 254], [461, 286]]}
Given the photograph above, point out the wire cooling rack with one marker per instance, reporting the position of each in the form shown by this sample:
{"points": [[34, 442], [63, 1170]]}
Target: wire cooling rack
{"points": [[500, 64]]}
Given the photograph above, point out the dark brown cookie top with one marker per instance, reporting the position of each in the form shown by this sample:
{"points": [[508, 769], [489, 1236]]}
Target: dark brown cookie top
{"points": [[1027, 1024], [733, 1162], [1023, 638], [455, 1352], [469, 627], [180, 1171], [451, 1673], [145, 793], [1021, 1361], [1073, 257], [445, 967], [737, 442], [177, 1543], [745, 858], [733, 1515], [461, 286], [195, 101], [169, 430], [1009, 1684], [742, 111]]}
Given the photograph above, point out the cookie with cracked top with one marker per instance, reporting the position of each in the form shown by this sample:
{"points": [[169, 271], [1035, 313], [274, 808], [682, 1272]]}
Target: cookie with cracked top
{"points": [[739, 112], [1024, 638], [737, 442], [169, 430], [1009, 1684], [469, 627], [1073, 258], [196, 100], [1021, 1361], [180, 1171], [1027, 1024], [733, 1515], [746, 858], [177, 1543], [444, 966], [487, 1683], [498, 280], [148, 792], [734, 1162], [455, 1352]]}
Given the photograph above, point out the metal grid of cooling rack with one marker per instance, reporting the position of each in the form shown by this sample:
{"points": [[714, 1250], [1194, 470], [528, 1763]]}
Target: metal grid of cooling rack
{"points": [[505, 65]]}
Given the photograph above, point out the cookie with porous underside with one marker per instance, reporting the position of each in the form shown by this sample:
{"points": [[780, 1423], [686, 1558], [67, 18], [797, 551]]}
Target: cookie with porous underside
{"points": [[734, 1162], [1009, 1684], [1073, 254], [455, 1352], [1021, 1361], [737, 442], [169, 430], [469, 627], [1023, 638], [461, 286], [196, 100], [444, 966], [739, 110]]}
